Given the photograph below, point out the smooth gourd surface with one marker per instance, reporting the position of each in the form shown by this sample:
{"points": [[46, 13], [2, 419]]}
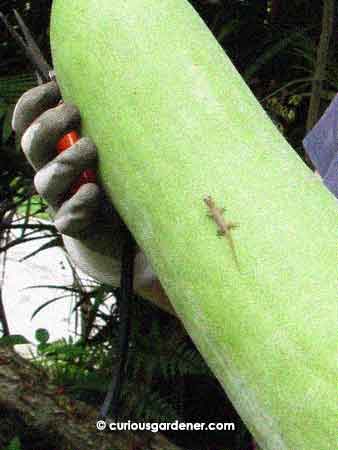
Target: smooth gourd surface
{"points": [[173, 122]]}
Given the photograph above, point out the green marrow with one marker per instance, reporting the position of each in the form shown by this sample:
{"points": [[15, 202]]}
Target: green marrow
{"points": [[174, 122]]}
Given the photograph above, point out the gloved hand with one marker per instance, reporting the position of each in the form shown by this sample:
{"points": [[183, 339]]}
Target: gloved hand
{"points": [[92, 230]]}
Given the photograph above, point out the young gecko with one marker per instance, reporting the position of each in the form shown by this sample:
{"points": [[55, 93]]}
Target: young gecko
{"points": [[224, 227]]}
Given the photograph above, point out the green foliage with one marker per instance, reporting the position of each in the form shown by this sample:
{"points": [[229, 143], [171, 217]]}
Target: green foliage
{"points": [[13, 86], [84, 369], [151, 407], [42, 335], [14, 444], [13, 339]]}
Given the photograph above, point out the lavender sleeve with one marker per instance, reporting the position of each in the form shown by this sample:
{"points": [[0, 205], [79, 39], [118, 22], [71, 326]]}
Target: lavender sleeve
{"points": [[321, 145]]}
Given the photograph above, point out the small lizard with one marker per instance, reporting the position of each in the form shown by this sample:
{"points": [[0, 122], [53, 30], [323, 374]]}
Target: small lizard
{"points": [[224, 227]]}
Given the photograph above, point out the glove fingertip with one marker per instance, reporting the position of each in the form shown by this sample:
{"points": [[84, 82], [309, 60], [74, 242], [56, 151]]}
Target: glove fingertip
{"points": [[77, 214], [32, 103]]}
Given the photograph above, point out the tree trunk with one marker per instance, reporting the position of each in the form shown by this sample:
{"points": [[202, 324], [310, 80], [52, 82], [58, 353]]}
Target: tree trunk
{"points": [[45, 419], [275, 10], [321, 62]]}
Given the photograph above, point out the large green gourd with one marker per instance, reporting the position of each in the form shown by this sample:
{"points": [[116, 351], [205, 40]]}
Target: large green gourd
{"points": [[174, 121]]}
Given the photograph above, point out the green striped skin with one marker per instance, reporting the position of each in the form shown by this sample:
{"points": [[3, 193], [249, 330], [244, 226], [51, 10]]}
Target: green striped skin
{"points": [[174, 121]]}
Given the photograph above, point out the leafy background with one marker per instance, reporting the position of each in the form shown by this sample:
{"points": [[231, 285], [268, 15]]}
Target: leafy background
{"points": [[274, 45]]}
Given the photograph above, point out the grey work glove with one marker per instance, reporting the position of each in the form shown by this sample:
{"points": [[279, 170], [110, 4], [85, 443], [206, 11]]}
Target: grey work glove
{"points": [[92, 230]]}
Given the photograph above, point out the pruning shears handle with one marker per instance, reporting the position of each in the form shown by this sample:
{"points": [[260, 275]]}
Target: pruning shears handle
{"points": [[45, 74], [88, 175]]}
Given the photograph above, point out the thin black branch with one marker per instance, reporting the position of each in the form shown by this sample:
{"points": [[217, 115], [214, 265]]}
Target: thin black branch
{"points": [[21, 241], [38, 226]]}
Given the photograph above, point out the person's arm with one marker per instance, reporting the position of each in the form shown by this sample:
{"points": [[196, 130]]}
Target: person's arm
{"points": [[321, 145], [92, 231]]}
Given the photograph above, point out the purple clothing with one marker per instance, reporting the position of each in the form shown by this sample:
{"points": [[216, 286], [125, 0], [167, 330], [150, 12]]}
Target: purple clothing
{"points": [[321, 145]]}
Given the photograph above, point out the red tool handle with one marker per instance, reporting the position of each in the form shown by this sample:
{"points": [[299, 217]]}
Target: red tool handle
{"points": [[88, 175]]}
